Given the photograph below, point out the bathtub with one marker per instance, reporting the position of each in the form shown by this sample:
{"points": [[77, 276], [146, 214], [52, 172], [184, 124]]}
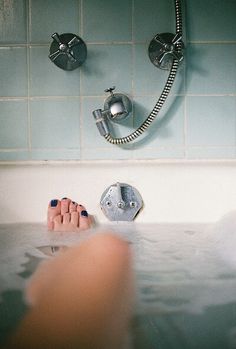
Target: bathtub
{"points": [[183, 251], [185, 282]]}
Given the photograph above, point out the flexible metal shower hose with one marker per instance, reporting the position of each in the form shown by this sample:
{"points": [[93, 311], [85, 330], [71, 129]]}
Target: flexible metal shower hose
{"points": [[170, 80]]}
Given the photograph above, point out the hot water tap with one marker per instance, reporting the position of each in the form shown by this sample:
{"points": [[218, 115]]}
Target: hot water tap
{"points": [[67, 51]]}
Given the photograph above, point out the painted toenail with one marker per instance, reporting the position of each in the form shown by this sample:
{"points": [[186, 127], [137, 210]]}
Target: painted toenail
{"points": [[64, 198], [54, 203], [74, 203], [84, 213]]}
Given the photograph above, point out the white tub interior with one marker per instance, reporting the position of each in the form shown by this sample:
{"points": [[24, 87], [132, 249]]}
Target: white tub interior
{"points": [[172, 191], [184, 259]]}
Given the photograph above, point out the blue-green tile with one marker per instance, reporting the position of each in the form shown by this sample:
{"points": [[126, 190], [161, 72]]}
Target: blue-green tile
{"points": [[46, 79], [211, 153], [211, 69], [167, 129], [13, 21], [48, 17], [55, 154], [114, 152], [148, 79], [211, 20], [13, 155], [14, 124], [117, 38], [55, 123], [153, 153], [153, 17], [13, 72], [106, 66], [107, 20], [211, 121]]}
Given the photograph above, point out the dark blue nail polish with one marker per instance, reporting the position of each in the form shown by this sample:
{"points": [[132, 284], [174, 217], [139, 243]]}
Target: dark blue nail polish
{"points": [[84, 213], [64, 198], [54, 203], [74, 203]]}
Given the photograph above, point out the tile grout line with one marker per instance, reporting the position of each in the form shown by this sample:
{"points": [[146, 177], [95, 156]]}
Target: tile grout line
{"points": [[185, 111], [132, 76], [81, 11], [149, 147], [28, 80], [2, 45], [185, 127], [81, 133], [31, 98]]}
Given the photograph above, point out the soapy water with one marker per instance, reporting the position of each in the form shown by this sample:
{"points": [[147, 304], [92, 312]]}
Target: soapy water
{"points": [[186, 279]]}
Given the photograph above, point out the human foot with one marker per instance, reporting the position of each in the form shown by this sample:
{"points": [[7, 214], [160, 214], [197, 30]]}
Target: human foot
{"points": [[67, 215]]}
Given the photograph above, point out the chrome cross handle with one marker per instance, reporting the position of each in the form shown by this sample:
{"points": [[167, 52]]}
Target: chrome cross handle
{"points": [[67, 51], [170, 48]]}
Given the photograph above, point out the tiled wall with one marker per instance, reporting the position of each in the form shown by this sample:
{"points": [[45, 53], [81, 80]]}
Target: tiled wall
{"points": [[46, 113]]}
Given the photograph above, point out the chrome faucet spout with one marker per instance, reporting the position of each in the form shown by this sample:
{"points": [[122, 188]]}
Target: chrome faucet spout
{"points": [[116, 107]]}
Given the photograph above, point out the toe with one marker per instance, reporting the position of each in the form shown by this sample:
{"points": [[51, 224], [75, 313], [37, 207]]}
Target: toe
{"points": [[57, 222], [65, 203], [54, 208], [75, 218], [73, 206], [84, 221], [80, 208], [66, 218]]}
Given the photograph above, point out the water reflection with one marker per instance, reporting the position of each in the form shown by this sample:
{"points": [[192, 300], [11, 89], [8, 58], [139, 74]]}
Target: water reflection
{"points": [[51, 251]]}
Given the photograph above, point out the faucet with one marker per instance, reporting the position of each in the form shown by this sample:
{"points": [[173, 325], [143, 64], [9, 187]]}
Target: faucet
{"points": [[117, 107]]}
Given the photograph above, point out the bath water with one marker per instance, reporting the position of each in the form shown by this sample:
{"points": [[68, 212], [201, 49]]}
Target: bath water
{"points": [[185, 276]]}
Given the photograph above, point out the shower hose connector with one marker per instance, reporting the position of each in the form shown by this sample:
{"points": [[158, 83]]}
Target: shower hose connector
{"points": [[101, 122]]}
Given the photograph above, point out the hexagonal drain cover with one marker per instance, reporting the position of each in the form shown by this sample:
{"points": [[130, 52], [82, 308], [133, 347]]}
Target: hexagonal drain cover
{"points": [[121, 202]]}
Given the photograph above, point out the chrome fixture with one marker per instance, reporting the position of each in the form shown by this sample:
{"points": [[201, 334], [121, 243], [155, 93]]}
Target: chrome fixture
{"points": [[164, 48], [121, 202], [117, 107], [68, 51], [167, 52]]}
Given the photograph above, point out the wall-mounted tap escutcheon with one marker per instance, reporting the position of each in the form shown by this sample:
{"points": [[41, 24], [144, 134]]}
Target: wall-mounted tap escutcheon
{"points": [[164, 48], [68, 51]]}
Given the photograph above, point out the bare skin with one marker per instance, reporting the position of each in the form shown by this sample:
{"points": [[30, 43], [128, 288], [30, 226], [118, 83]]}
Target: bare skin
{"points": [[82, 298], [67, 215]]}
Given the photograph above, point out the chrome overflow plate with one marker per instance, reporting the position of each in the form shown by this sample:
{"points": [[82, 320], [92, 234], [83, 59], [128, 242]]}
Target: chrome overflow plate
{"points": [[121, 202]]}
